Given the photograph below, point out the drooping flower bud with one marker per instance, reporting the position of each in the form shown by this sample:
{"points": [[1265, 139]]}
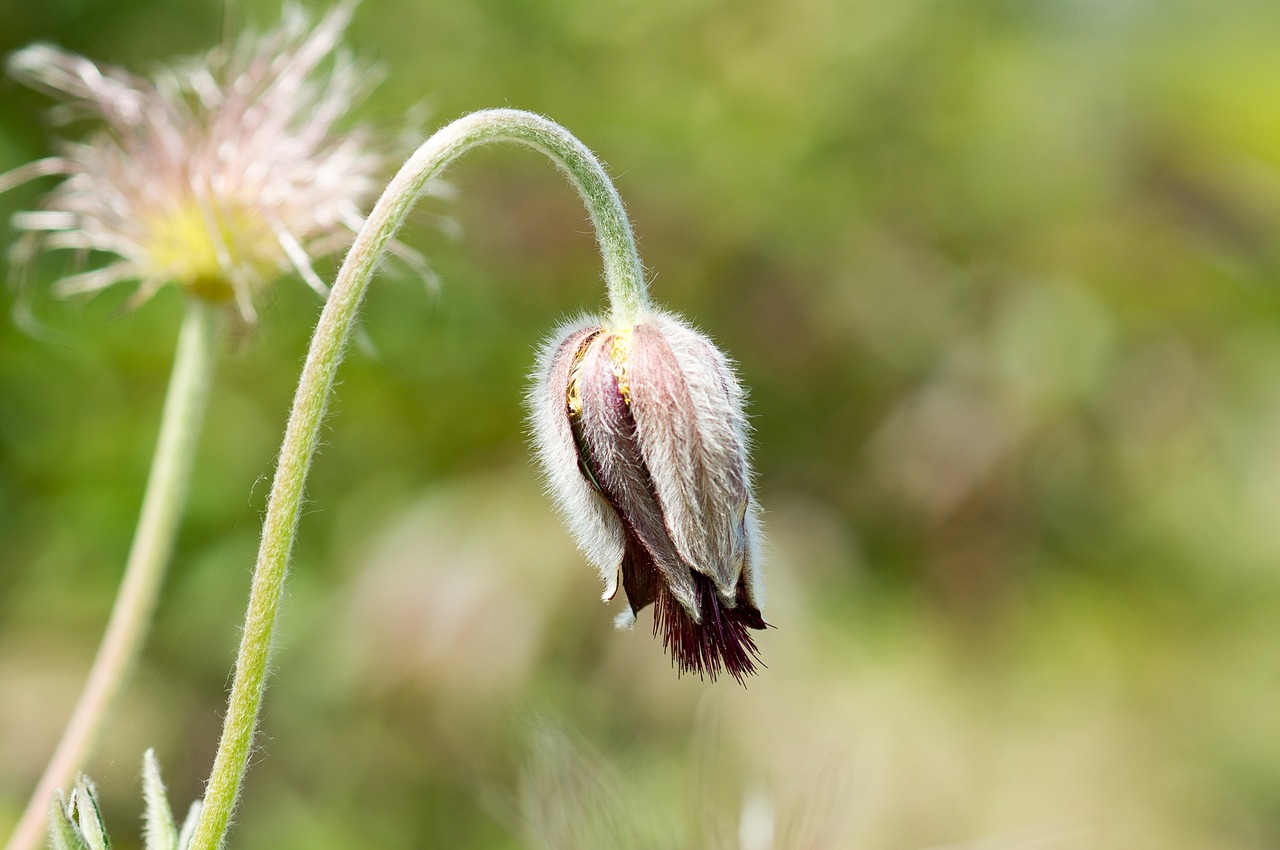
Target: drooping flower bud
{"points": [[642, 437]]}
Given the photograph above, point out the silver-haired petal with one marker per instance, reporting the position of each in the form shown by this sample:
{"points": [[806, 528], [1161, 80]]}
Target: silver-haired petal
{"points": [[688, 413], [752, 570], [616, 461], [594, 524]]}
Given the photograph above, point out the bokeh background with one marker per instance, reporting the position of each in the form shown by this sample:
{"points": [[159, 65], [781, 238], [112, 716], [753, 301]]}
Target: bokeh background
{"points": [[1004, 281]]}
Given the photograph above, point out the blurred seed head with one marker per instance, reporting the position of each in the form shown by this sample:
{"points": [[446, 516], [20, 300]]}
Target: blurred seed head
{"points": [[571, 797], [642, 437], [218, 174]]}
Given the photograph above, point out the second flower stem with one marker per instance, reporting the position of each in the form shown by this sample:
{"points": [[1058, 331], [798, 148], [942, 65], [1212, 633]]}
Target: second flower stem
{"points": [[149, 555], [624, 278]]}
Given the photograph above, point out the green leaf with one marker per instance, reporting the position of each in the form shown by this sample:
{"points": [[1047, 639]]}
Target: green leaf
{"points": [[158, 828], [63, 832], [84, 805], [189, 825]]}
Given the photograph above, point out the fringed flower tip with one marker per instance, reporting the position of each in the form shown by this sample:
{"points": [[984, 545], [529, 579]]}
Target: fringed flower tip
{"points": [[642, 437]]}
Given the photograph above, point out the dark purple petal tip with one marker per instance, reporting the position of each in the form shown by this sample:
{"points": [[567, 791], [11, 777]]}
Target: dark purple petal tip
{"points": [[719, 643]]}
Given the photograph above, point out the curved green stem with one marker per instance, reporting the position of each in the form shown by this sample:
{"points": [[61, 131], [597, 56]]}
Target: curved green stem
{"points": [[624, 277], [144, 571]]}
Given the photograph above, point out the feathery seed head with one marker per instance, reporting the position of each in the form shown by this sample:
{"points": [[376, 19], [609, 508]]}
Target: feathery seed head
{"points": [[218, 174]]}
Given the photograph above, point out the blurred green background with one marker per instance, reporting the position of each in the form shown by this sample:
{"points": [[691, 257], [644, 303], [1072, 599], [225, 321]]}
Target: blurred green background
{"points": [[1004, 281]]}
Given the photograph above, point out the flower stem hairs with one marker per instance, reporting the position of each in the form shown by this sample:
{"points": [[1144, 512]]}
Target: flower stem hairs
{"points": [[684, 538], [638, 418], [218, 175]]}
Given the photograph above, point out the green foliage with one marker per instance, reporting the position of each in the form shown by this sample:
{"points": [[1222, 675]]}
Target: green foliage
{"points": [[159, 828], [1003, 281], [75, 822]]}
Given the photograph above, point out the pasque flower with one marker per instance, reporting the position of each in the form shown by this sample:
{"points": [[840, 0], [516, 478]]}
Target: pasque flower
{"points": [[641, 433], [218, 175], [639, 424]]}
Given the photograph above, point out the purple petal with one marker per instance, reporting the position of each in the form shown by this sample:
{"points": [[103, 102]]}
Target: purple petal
{"points": [[609, 433], [592, 520], [688, 412]]}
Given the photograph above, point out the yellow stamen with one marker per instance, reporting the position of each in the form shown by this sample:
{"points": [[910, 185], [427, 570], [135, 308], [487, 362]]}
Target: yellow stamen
{"points": [[199, 249], [573, 396], [619, 353]]}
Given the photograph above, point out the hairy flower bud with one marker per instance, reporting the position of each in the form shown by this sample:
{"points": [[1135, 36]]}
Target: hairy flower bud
{"points": [[642, 437]]}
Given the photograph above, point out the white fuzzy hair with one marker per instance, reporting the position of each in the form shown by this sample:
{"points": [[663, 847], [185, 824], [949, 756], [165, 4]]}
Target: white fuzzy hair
{"points": [[593, 522], [692, 429]]}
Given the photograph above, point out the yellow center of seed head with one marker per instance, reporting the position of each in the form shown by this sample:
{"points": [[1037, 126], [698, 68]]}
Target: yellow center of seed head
{"points": [[203, 249]]}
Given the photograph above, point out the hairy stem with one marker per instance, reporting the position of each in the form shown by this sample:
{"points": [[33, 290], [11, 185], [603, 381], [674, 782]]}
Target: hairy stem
{"points": [[626, 286], [144, 571]]}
